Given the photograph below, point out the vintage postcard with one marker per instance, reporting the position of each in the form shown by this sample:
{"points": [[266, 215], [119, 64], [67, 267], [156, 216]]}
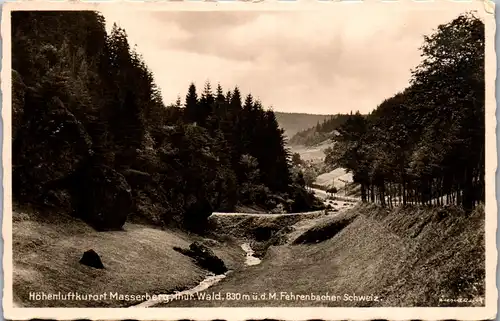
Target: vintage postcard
{"points": [[288, 160]]}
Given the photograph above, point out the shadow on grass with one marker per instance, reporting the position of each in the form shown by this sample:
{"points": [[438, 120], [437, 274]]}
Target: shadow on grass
{"points": [[323, 232]]}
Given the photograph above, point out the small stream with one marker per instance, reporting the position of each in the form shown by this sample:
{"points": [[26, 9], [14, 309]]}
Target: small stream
{"points": [[203, 285], [165, 298], [251, 260]]}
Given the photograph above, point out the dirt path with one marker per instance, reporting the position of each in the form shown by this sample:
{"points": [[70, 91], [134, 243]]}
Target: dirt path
{"points": [[324, 195], [264, 214]]}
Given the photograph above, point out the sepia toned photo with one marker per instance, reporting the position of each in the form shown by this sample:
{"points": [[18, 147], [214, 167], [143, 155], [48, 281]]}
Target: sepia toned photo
{"points": [[318, 158]]}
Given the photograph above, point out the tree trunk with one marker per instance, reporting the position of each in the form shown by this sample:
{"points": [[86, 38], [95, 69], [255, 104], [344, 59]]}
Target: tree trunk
{"points": [[390, 195], [382, 194], [468, 192]]}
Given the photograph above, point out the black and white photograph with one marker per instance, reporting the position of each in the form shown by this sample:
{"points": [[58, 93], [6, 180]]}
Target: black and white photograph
{"points": [[340, 156]]}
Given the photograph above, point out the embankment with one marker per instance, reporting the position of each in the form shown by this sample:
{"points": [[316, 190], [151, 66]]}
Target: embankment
{"points": [[259, 227], [407, 257]]}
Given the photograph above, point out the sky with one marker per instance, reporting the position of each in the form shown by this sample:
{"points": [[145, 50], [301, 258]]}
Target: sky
{"points": [[310, 61]]}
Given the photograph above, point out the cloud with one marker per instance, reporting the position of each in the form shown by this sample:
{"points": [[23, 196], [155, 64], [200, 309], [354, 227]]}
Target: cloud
{"points": [[324, 61]]}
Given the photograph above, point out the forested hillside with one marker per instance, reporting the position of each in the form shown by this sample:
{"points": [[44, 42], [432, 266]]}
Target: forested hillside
{"points": [[425, 144], [320, 132], [92, 136], [292, 123]]}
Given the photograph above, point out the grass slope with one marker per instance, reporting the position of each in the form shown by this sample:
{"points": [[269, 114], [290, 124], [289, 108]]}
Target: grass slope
{"points": [[337, 178], [405, 257], [313, 153], [138, 260], [412, 256]]}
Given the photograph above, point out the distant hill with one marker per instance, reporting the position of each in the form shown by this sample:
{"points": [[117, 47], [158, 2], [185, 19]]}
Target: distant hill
{"points": [[319, 132], [292, 123]]}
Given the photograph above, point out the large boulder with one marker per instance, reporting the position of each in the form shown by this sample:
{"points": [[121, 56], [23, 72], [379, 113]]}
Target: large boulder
{"points": [[60, 199], [92, 259], [105, 198], [207, 259], [204, 257]]}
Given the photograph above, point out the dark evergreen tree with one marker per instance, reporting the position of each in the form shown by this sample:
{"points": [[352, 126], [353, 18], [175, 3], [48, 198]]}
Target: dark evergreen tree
{"points": [[205, 105], [191, 104], [92, 135]]}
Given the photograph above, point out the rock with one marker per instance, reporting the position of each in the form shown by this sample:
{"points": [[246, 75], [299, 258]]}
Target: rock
{"points": [[59, 198], [105, 198], [92, 259], [206, 258]]}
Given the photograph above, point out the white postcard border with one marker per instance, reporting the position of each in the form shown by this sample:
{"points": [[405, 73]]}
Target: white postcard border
{"points": [[485, 9]]}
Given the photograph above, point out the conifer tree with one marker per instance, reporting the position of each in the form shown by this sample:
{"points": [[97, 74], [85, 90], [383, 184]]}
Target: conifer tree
{"points": [[191, 104], [205, 105]]}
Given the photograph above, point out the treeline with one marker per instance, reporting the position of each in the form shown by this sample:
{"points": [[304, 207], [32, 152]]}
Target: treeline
{"points": [[292, 123], [319, 133], [91, 134], [426, 145]]}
